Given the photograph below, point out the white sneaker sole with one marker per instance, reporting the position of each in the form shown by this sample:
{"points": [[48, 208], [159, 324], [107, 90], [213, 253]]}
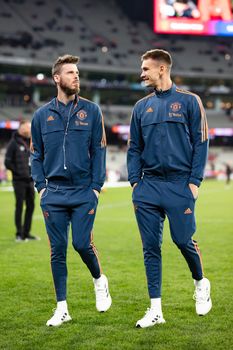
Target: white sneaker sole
{"points": [[68, 318], [207, 310], [138, 325], [106, 307]]}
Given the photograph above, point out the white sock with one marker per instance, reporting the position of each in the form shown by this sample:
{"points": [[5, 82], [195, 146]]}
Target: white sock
{"points": [[156, 304], [199, 283], [62, 305], [97, 280]]}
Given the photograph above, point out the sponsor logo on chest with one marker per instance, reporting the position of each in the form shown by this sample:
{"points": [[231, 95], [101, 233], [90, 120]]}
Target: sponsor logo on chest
{"points": [[175, 108], [78, 122]]}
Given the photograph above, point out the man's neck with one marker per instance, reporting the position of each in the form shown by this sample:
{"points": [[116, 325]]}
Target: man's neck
{"points": [[164, 85], [64, 98]]}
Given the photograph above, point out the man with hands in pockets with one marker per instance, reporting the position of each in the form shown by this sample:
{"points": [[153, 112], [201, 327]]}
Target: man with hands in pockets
{"points": [[68, 153]]}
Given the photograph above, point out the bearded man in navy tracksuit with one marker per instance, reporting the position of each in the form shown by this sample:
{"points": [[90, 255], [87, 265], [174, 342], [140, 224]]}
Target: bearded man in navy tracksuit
{"points": [[166, 158], [68, 153]]}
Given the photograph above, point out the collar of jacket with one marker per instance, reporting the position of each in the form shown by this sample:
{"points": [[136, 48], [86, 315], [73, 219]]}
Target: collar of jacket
{"points": [[78, 104], [165, 93], [21, 140]]}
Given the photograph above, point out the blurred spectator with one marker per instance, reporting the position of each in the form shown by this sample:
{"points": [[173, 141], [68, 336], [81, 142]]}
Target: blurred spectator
{"points": [[229, 111], [228, 173], [17, 160]]}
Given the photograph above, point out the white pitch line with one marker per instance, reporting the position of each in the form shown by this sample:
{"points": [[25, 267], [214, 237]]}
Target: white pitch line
{"points": [[117, 205], [116, 220]]}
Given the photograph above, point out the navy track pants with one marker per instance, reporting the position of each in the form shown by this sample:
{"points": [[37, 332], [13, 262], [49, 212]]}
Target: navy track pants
{"points": [[153, 201], [62, 206]]}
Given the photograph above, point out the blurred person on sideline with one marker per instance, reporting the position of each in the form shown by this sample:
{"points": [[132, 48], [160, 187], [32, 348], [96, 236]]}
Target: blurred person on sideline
{"points": [[17, 160], [168, 146], [68, 155], [228, 171]]}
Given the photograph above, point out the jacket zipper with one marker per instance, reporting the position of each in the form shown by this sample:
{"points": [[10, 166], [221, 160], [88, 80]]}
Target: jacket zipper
{"points": [[65, 134]]}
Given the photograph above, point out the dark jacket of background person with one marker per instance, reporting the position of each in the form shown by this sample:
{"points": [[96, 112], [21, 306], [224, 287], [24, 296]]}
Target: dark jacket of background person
{"points": [[17, 158]]}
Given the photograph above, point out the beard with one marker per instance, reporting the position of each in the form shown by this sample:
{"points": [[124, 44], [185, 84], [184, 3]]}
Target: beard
{"points": [[67, 90]]}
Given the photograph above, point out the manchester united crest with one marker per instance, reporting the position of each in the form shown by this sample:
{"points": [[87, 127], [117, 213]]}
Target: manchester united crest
{"points": [[82, 114], [175, 106]]}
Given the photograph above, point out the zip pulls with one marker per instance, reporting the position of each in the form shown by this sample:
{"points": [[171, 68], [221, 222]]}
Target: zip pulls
{"points": [[61, 112], [65, 134]]}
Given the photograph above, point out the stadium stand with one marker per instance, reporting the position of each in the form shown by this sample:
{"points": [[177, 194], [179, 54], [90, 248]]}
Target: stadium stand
{"points": [[110, 41], [36, 31]]}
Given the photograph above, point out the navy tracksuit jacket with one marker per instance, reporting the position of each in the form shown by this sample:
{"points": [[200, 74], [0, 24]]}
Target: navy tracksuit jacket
{"points": [[168, 147], [68, 153], [68, 148]]}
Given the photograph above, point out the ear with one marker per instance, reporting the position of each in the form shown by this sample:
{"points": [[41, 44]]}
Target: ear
{"points": [[56, 78], [162, 68]]}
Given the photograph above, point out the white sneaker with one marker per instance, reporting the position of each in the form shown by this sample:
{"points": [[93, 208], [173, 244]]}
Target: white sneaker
{"points": [[58, 318], [202, 297], [151, 318], [103, 297], [19, 239]]}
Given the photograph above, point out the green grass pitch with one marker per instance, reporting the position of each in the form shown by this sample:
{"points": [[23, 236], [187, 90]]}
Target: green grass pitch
{"points": [[27, 295]]}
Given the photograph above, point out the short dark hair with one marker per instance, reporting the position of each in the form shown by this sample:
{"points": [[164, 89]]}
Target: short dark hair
{"points": [[24, 121], [159, 55], [63, 60]]}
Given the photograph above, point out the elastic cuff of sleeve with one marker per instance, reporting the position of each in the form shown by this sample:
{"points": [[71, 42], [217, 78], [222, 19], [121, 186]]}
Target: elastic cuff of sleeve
{"points": [[96, 187], [40, 186], [134, 181], [195, 181]]}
